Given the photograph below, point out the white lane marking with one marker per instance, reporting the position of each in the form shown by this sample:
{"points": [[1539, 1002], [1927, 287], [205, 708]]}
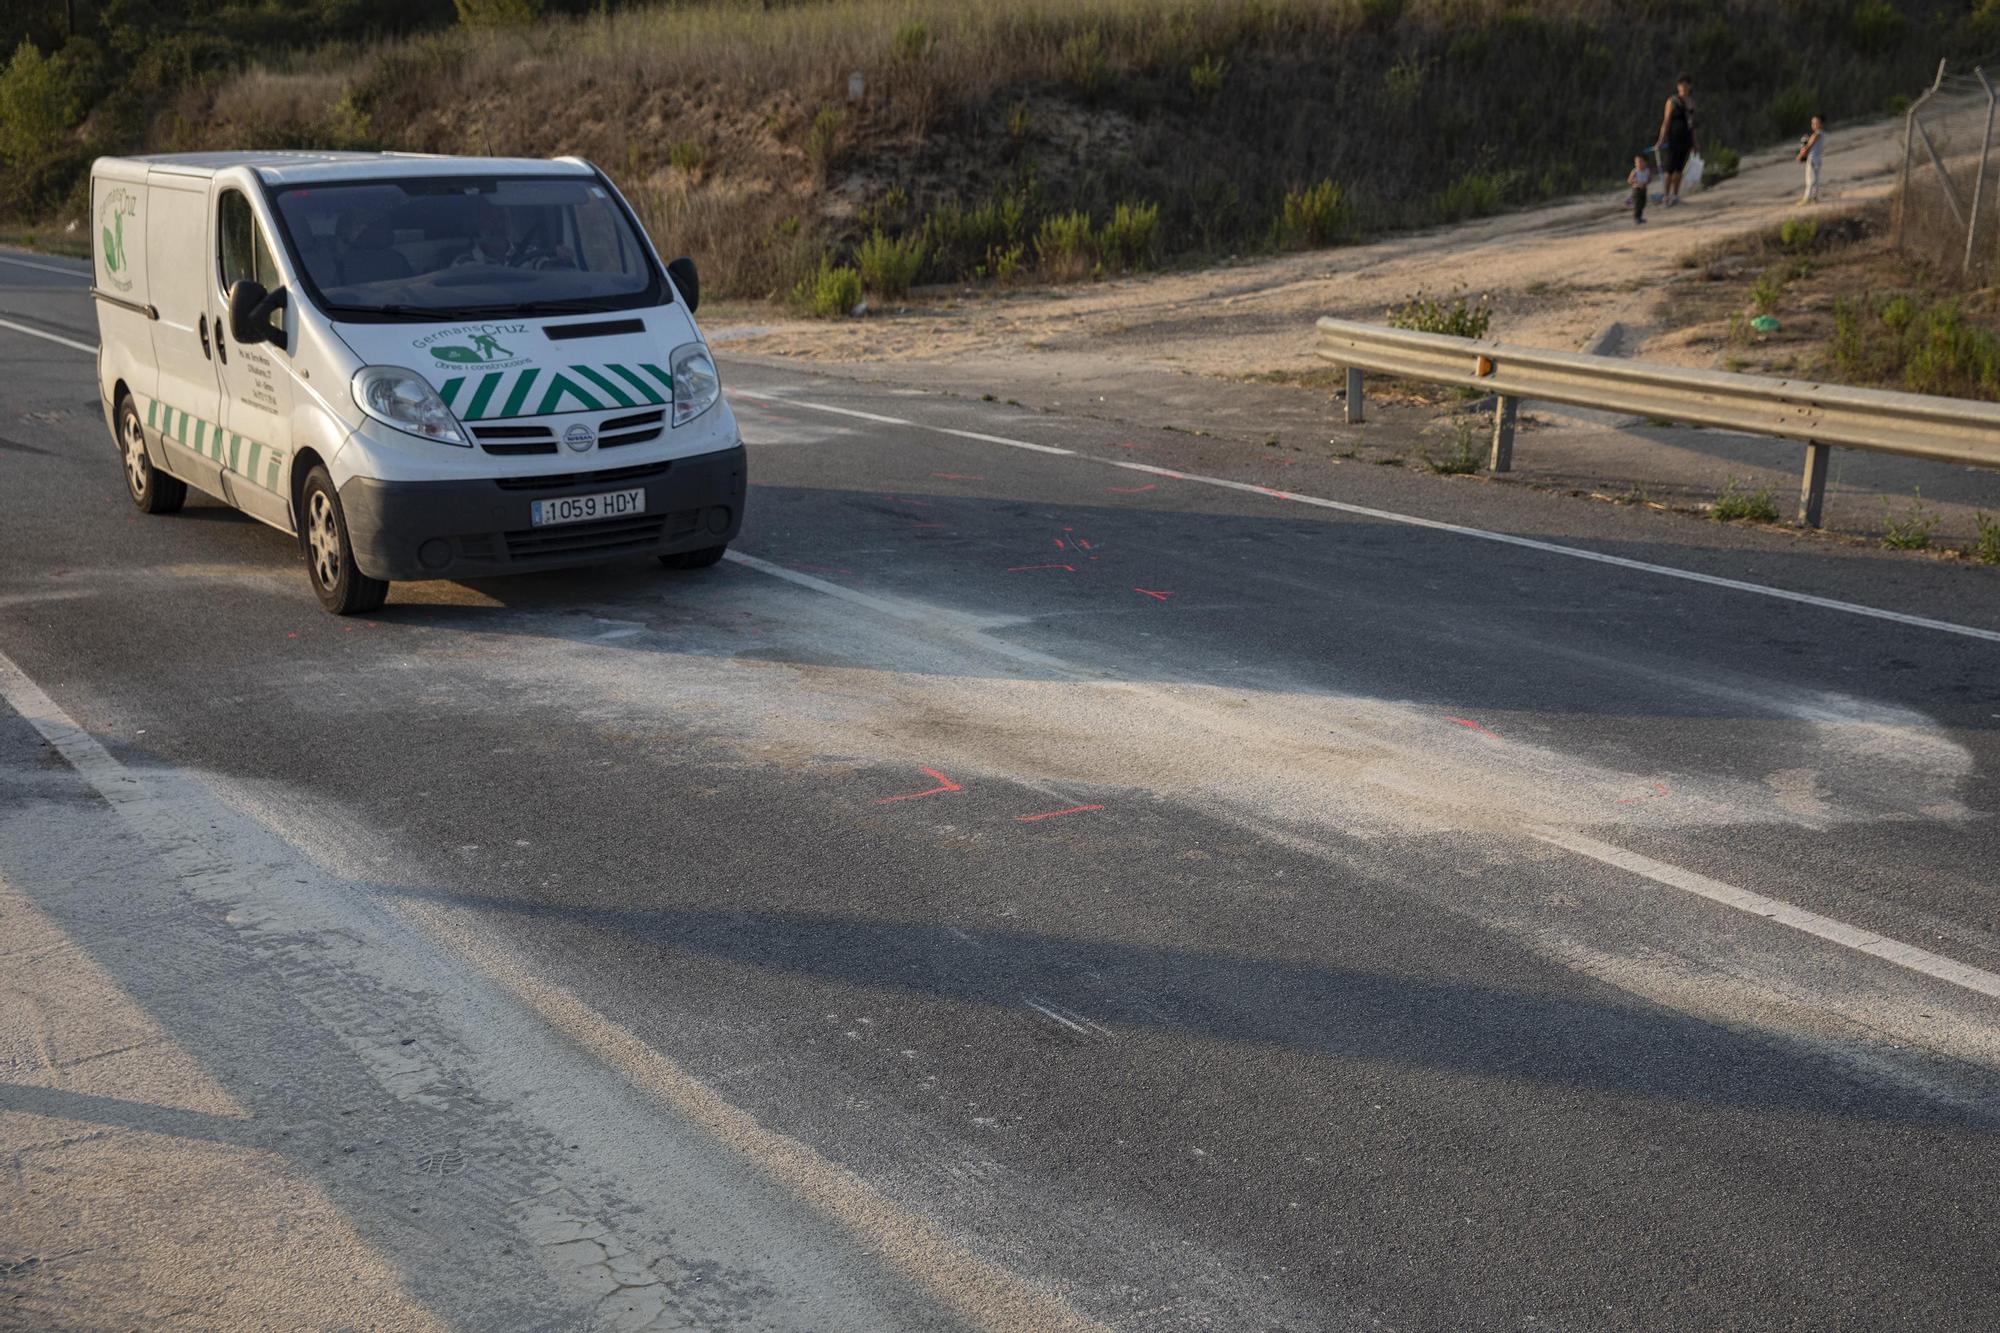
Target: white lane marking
{"points": [[984, 1293], [1439, 525], [1775, 909], [46, 268], [51, 337]]}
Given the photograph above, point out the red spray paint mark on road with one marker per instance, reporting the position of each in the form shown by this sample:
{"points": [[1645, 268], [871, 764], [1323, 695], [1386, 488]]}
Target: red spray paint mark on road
{"points": [[1280, 495], [1156, 596], [957, 476], [1018, 569], [1051, 814], [1469, 724], [1659, 790], [1130, 490], [945, 784]]}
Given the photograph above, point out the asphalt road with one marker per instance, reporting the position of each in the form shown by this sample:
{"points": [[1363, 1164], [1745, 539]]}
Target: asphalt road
{"points": [[1024, 889]]}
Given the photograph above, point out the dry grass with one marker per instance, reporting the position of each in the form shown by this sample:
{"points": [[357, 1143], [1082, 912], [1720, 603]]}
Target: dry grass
{"points": [[1070, 105]]}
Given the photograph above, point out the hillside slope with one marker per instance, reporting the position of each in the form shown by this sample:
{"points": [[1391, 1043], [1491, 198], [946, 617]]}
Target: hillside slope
{"points": [[988, 140]]}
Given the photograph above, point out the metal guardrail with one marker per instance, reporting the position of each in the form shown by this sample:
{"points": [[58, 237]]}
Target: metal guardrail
{"points": [[1949, 430]]}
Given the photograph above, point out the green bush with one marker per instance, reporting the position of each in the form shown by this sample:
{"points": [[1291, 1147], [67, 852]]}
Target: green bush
{"points": [[1473, 195], [1790, 111], [1131, 238], [1205, 77], [1426, 314], [911, 43], [1736, 503], [831, 293], [1875, 27], [888, 265], [1317, 215], [1764, 293], [686, 155], [823, 139], [1063, 246], [1083, 61], [39, 102], [1798, 235], [1718, 164]]}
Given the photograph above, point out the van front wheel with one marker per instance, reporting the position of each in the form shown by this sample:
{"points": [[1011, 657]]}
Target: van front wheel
{"points": [[341, 588], [151, 489]]}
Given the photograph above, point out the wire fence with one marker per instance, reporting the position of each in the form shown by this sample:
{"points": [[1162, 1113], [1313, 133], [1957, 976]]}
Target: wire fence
{"points": [[1948, 195]]}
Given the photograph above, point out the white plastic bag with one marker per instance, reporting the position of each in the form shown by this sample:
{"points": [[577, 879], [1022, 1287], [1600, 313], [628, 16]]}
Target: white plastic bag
{"points": [[1692, 176]]}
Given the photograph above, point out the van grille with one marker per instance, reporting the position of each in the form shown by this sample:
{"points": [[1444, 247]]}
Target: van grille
{"points": [[515, 439], [631, 430], [556, 480]]}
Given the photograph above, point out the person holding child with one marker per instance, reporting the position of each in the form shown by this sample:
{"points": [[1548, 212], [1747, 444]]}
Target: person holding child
{"points": [[1810, 148]]}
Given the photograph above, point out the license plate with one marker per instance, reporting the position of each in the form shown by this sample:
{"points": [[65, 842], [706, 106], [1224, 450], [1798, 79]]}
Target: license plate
{"points": [[583, 508]]}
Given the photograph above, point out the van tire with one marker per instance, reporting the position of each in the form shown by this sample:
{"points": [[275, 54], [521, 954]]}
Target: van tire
{"points": [[340, 587], [151, 489], [701, 559]]}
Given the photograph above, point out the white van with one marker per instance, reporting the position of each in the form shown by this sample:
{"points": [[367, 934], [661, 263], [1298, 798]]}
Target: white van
{"points": [[423, 367]]}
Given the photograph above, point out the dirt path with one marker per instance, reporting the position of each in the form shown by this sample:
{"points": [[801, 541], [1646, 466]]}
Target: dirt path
{"points": [[1556, 275]]}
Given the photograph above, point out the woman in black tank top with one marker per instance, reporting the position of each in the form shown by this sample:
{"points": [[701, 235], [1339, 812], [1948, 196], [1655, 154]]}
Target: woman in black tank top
{"points": [[1677, 140]]}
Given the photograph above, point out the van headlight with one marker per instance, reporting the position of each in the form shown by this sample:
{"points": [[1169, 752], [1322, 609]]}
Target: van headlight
{"points": [[405, 400], [696, 386]]}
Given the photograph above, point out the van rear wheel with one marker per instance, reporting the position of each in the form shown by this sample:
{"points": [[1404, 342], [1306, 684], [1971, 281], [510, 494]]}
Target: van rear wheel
{"points": [[340, 587], [151, 489]]}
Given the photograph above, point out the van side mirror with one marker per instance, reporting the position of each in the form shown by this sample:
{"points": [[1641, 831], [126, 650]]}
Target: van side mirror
{"points": [[250, 308], [685, 278]]}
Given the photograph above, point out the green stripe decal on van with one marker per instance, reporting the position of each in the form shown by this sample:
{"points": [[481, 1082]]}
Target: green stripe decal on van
{"points": [[487, 384], [256, 462], [645, 390], [520, 394], [618, 395], [535, 391], [560, 387]]}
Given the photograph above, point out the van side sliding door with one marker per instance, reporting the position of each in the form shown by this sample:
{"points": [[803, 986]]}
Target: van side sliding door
{"points": [[187, 414]]}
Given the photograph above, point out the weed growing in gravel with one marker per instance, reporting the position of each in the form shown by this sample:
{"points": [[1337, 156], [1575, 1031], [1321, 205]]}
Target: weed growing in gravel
{"points": [[1428, 314], [1735, 503], [1985, 546], [1913, 529], [1463, 458], [889, 264], [1769, 287], [833, 291]]}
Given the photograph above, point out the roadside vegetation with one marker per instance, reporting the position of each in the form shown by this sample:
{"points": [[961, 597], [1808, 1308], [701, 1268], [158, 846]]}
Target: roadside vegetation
{"points": [[923, 141]]}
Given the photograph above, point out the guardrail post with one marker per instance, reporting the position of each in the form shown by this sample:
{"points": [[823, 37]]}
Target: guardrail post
{"points": [[1356, 407], [1812, 488], [1505, 410]]}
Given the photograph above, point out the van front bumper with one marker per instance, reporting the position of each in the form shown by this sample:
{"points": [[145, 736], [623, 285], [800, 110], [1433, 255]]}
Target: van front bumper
{"points": [[403, 530]]}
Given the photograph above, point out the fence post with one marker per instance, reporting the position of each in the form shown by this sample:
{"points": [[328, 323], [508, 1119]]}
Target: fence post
{"points": [[1979, 177], [1812, 488], [1502, 457], [1356, 408], [1909, 155]]}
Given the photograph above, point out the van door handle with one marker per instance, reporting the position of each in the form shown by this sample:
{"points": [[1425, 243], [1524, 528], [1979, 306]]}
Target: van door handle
{"points": [[202, 324]]}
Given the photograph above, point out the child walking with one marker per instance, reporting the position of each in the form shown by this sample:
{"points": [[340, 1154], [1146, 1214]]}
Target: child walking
{"points": [[1641, 176], [1810, 149]]}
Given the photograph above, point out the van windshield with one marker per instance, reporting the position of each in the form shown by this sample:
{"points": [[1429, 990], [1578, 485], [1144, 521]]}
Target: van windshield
{"points": [[451, 247]]}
